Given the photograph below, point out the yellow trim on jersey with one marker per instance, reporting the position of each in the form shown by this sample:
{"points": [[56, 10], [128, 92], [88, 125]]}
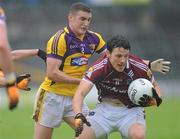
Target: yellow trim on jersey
{"points": [[39, 104], [57, 44], [42, 104], [66, 30]]}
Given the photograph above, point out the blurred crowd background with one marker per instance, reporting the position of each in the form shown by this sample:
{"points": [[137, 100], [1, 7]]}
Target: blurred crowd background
{"points": [[152, 27]]}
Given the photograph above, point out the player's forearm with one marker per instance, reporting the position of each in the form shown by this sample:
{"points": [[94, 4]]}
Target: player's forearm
{"points": [[5, 56], [82, 91], [78, 102], [19, 54], [6, 61], [157, 88], [59, 76]]}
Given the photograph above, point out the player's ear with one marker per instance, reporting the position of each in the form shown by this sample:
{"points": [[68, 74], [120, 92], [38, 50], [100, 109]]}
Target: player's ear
{"points": [[69, 17], [108, 53]]}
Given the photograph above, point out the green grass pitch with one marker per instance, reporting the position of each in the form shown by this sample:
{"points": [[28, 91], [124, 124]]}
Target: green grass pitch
{"points": [[162, 122]]}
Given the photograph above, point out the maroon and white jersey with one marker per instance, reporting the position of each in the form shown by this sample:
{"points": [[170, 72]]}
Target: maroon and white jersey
{"points": [[113, 84]]}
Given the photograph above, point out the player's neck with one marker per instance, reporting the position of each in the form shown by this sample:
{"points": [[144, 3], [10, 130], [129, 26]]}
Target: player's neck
{"points": [[79, 36]]}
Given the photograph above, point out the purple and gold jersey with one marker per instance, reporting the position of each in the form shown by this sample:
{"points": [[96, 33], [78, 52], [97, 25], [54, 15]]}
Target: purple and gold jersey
{"points": [[113, 84], [74, 54], [2, 15]]}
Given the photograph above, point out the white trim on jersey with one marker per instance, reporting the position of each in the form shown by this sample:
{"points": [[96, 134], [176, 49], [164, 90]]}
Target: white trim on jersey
{"points": [[100, 65], [103, 51], [138, 64], [127, 64], [130, 73]]}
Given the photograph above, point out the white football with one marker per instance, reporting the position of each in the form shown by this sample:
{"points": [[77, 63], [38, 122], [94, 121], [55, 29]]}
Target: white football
{"points": [[138, 88]]}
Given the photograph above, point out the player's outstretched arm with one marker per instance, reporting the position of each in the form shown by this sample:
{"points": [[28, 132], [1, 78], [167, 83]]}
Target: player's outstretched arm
{"points": [[23, 53], [26, 53]]}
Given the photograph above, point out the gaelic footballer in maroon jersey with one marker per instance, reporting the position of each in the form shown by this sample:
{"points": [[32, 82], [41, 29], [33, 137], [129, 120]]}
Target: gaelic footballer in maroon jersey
{"points": [[111, 83], [112, 74]]}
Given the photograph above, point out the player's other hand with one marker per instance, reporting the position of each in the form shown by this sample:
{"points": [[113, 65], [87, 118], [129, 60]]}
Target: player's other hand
{"points": [[42, 54], [156, 100], [13, 95], [146, 101], [12, 90], [80, 119], [160, 65], [22, 82]]}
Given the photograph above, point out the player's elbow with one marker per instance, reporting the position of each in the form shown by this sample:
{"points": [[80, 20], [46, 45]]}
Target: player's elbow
{"points": [[4, 47], [51, 74]]}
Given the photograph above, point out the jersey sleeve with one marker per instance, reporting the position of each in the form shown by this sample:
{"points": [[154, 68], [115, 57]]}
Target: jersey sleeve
{"points": [[142, 66], [56, 46], [101, 45], [2, 15]]}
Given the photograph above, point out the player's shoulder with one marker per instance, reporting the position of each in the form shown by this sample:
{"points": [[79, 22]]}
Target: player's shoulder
{"points": [[97, 69], [100, 64], [94, 34], [2, 14], [136, 59], [137, 62], [56, 39], [103, 60], [57, 35]]}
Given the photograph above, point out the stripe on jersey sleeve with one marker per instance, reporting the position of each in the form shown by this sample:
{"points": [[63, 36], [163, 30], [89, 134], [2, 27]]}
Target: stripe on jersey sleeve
{"points": [[138, 64], [54, 48]]}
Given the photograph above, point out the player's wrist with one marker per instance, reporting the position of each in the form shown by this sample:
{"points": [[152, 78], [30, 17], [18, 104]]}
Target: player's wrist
{"points": [[149, 64], [41, 54], [78, 115]]}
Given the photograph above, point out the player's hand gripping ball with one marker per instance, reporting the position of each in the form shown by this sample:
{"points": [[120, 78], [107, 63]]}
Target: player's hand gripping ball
{"points": [[140, 92]]}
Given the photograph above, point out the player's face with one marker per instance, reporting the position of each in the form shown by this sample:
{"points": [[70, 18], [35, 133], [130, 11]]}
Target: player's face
{"points": [[118, 58], [79, 22]]}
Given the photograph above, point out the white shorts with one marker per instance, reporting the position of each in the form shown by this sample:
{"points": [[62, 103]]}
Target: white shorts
{"points": [[107, 118], [50, 108]]}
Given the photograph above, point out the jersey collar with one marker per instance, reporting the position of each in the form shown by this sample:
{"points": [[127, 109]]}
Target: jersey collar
{"points": [[68, 30]]}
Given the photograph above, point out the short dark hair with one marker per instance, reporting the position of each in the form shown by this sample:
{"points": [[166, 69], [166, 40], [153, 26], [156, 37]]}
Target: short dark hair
{"points": [[118, 41], [79, 6]]}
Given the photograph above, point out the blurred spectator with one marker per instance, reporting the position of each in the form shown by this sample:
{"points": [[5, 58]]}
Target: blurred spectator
{"points": [[32, 2]]}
